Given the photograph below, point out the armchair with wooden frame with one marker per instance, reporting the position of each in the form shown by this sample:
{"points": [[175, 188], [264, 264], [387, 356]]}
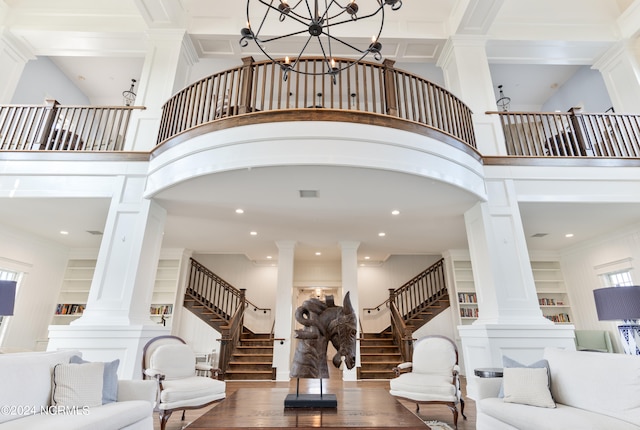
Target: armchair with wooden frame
{"points": [[432, 377], [172, 363]]}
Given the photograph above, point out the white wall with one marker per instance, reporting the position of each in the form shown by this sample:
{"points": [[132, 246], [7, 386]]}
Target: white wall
{"points": [[585, 89], [43, 264], [581, 265], [42, 79]]}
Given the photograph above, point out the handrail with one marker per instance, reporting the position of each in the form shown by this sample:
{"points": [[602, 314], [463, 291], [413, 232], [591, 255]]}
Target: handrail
{"points": [[231, 337], [418, 292], [571, 134], [63, 128], [258, 87], [402, 334]]}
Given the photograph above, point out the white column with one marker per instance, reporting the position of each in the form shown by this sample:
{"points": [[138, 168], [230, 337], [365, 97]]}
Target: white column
{"points": [[13, 58], [350, 285], [510, 321], [620, 69], [165, 71], [466, 74], [116, 322], [283, 325]]}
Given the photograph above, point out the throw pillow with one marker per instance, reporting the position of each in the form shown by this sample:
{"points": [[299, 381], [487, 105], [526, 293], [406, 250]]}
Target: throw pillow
{"points": [[110, 379], [511, 363], [527, 386], [77, 385]]}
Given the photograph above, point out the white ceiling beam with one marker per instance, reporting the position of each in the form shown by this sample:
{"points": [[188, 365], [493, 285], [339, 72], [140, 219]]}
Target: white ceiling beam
{"points": [[475, 16]]}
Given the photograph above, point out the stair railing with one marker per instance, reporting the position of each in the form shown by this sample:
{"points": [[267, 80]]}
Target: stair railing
{"points": [[418, 293], [402, 334], [231, 335]]}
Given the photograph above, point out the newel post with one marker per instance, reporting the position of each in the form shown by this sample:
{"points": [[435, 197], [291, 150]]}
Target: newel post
{"points": [[48, 122], [390, 91], [577, 125], [245, 85]]}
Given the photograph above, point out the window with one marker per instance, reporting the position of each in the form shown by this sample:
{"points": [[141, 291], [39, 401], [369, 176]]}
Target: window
{"points": [[619, 279]]}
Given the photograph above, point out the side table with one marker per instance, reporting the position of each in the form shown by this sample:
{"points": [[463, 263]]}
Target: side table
{"points": [[488, 372]]}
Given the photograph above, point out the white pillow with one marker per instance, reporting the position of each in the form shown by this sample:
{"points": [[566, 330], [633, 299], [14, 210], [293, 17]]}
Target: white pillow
{"points": [[528, 386], [77, 385]]}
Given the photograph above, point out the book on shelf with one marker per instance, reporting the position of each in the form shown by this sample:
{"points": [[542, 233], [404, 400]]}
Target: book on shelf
{"points": [[546, 301], [559, 318], [467, 298], [469, 312], [161, 309], [69, 309]]}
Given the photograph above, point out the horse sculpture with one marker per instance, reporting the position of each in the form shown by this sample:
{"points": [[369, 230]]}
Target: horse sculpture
{"points": [[324, 322]]}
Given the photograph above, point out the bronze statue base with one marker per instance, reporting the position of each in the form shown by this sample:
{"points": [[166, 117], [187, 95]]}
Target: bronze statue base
{"points": [[311, 401]]}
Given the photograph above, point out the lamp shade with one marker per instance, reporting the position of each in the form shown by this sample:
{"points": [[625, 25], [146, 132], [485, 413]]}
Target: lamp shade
{"points": [[7, 297], [618, 303]]}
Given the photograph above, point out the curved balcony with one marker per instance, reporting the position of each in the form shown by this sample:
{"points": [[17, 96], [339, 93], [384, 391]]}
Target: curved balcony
{"points": [[366, 93]]}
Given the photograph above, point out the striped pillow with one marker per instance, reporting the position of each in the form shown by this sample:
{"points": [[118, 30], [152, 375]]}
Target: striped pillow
{"points": [[77, 384]]}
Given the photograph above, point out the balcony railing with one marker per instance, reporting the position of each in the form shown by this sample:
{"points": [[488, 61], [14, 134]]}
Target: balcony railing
{"points": [[571, 134], [258, 87], [63, 128]]}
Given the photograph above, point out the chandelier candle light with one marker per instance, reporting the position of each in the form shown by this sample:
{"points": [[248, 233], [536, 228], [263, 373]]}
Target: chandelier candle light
{"points": [[318, 27]]}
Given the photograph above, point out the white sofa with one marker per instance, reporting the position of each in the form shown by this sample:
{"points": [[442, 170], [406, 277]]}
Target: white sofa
{"points": [[592, 390], [26, 390]]}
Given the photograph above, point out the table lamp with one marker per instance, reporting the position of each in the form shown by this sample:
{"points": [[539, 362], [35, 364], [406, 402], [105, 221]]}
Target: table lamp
{"points": [[7, 297], [621, 303]]}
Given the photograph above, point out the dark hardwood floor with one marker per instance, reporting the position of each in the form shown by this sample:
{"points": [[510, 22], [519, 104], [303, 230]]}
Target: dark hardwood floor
{"points": [[427, 412]]}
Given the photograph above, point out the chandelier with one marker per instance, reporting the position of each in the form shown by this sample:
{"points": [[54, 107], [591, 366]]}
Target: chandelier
{"points": [[319, 25], [128, 96], [503, 102]]}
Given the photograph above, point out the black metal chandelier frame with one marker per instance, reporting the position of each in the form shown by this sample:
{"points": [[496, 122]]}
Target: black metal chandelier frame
{"points": [[317, 24]]}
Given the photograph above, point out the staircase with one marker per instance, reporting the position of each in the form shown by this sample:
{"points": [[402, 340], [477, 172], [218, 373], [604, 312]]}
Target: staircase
{"points": [[252, 359], [378, 355], [244, 355], [412, 305]]}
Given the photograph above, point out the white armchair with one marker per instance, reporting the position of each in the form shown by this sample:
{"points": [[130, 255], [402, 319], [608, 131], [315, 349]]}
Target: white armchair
{"points": [[432, 377], [172, 363]]}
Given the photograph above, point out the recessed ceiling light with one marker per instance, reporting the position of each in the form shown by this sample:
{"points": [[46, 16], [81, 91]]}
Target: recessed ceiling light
{"points": [[253, 233], [367, 257], [568, 235], [64, 232], [382, 234], [318, 253], [269, 257], [239, 211], [395, 212]]}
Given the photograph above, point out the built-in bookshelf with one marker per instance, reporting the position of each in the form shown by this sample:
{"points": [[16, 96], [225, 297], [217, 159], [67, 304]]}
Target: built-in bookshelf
{"points": [[77, 283], [466, 292], [164, 291], [550, 288], [74, 291]]}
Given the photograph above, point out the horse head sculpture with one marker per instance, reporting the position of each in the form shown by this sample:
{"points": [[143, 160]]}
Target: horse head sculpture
{"points": [[324, 322]]}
